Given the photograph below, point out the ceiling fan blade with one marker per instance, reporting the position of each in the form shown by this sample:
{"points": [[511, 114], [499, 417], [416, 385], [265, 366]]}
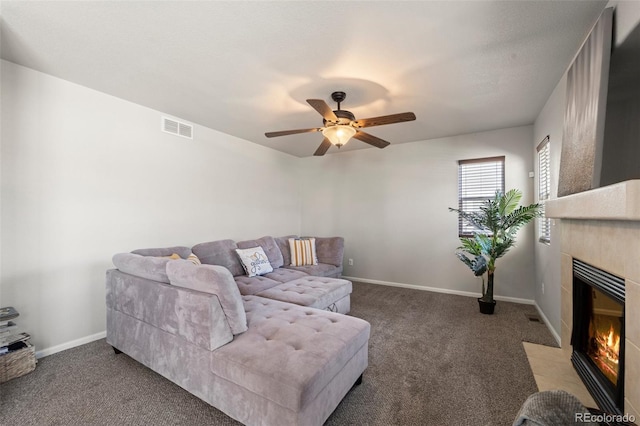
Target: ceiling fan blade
{"points": [[292, 132], [323, 148], [324, 109], [370, 139], [386, 119]]}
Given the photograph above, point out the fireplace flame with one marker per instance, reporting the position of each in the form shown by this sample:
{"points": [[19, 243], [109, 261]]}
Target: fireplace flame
{"points": [[613, 344], [608, 352]]}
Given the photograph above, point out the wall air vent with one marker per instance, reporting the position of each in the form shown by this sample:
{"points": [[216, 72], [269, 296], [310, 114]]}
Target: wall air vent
{"points": [[177, 128]]}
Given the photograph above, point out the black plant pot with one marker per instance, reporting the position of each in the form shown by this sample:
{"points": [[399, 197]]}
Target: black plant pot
{"points": [[486, 307]]}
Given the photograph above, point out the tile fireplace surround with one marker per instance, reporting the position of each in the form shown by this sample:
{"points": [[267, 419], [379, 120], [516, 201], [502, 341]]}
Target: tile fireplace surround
{"points": [[602, 227]]}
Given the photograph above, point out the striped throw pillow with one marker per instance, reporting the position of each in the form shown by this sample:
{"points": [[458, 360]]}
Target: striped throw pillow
{"points": [[303, 251], [192, 257]]}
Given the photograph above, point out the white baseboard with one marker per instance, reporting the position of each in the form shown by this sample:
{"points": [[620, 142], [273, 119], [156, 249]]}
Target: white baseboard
{"points": [[72, 344], [440, 290], [553, 332]]}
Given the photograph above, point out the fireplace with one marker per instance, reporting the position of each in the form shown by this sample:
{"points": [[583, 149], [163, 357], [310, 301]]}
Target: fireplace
{"points": [[598, 336], [602, 227]]}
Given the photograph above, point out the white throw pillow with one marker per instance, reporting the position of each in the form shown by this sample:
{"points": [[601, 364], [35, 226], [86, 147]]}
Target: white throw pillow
{"points": [[303, 251], [254, 261]]}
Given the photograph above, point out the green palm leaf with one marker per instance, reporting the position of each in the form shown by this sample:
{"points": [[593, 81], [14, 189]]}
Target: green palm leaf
{"points": [[521, 216], [470, 246], [474, 218], [498, 220], [508, 202]]}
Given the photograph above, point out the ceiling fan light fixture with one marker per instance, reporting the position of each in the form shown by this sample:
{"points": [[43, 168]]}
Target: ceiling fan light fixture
{"points": [[339, 134], [340, 125]]}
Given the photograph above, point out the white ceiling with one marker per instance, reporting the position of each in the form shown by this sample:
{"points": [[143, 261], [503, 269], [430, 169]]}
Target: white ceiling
{"points": [[245, 68]]}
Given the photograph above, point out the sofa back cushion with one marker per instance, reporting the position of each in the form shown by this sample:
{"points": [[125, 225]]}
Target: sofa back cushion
{"points": [[270, 248], [211, 279], [330, 250], [149, 267], [181, 251], [222, 252], [283, 245]]}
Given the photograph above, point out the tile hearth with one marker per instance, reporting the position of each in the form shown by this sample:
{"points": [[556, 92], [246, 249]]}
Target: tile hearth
{"points": [[602, 227], [552, 370]]}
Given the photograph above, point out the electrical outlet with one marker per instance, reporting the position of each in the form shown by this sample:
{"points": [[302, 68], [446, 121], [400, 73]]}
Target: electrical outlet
{"points": [[542, 288], [350, 262]]}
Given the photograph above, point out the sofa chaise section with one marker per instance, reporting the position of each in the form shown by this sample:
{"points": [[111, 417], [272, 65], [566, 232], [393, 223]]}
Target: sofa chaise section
{"points": [[302, 360], [291, 364]]}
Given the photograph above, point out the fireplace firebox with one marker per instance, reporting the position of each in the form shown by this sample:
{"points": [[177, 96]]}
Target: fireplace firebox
{"points": [[598, 334]]}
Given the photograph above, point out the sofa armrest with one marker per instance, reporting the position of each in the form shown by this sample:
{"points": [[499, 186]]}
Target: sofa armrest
{"points": [[195, 316], [330, 250], [211, 279]]}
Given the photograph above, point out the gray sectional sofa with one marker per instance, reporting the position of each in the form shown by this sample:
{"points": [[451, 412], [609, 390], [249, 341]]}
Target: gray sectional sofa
{"points": [[303, 285], [264, 350]]}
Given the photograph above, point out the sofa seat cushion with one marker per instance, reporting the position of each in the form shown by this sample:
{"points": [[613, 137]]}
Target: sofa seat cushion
{"points": [[313, 292], [253, 285], [290, 353], [283, 275], [319, 270]]}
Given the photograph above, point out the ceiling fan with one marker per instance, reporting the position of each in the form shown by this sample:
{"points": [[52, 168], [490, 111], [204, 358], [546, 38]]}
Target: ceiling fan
{"points": [[341, 125]]}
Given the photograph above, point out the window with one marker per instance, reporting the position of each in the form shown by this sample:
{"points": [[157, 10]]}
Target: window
{"points": [[478, 181], [544, 189]]}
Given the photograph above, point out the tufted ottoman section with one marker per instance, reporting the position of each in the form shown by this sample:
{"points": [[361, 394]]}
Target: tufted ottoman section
{"points": [[283, 275], [310, 291], [253, 285], [291, 354]]}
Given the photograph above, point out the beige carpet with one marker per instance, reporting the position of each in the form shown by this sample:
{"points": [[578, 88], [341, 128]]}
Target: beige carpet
{"points": [[433, 360]]}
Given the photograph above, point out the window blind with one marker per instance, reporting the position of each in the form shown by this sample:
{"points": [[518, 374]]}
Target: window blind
{"points": [[544, 188], [478, 181]]}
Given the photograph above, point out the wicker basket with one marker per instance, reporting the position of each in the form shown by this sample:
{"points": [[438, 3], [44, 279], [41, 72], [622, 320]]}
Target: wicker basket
{"points": [[17, 363]]}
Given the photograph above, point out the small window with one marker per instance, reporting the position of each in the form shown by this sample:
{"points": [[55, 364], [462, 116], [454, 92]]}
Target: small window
{"points": [[544, 189], [478, 181]]}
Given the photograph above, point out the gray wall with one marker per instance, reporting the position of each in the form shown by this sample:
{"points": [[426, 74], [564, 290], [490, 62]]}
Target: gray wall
{"points": [[86, 175], [391, 207], [547, 256]]}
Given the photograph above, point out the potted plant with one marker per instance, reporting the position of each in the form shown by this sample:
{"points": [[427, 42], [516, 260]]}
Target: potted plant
{"points": [[498, 221]]}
